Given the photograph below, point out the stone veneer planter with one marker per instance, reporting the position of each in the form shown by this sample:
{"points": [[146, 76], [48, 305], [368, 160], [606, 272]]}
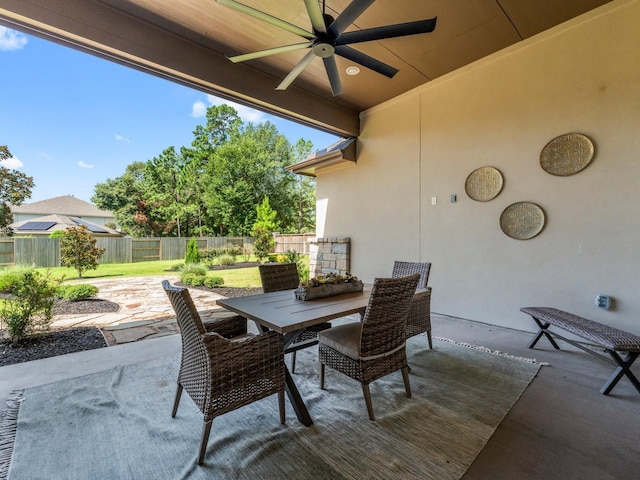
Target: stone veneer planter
{"points": [[329, 255]]}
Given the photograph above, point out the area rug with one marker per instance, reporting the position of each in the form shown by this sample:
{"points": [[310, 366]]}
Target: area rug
{"points": [[117, 424]]}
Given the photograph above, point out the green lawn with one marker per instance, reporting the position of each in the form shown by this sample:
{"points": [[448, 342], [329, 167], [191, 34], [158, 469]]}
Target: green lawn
{"points": [[236, 277]]}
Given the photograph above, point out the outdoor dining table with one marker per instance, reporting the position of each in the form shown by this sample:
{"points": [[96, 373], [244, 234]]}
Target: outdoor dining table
{"points": [[283, 313]]}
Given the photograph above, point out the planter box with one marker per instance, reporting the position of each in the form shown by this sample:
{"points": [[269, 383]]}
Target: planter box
{"points": [[328, 290]]}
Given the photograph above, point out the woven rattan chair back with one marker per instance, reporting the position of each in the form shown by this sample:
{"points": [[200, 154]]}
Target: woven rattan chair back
{"points": [[194, 365], [402, 269], [220, 374], [419, 319], [384, 321], [276, 277], [382, 338]]}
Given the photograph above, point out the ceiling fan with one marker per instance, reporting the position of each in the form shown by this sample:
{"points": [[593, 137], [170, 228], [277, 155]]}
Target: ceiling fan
{"points": [[329, 38]]}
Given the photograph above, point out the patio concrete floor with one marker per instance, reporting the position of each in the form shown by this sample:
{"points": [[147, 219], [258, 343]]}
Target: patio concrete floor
{"points": [[561, 428]]}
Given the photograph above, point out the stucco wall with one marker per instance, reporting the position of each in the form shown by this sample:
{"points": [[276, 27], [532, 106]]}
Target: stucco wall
{"points": [[583, 76]]}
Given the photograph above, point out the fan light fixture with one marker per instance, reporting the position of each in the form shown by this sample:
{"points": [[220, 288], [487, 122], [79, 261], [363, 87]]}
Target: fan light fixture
{"points": [[328, 39]]}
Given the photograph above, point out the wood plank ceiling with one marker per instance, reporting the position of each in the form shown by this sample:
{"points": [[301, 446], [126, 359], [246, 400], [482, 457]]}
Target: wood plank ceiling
{"points": [[189, 40]]}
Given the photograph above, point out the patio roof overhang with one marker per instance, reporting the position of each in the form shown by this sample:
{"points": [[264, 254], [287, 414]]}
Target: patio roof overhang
{"points": [[188, 42]]}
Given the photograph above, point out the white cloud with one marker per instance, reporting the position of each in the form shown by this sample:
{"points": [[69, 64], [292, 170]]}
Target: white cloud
{"points": [[199, 109], [81, 164], [12, 162], [11, 40], [247, 114], [122, 139]]}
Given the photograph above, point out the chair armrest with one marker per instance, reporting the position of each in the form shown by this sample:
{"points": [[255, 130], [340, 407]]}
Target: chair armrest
{"points": [[260, 352], [420, 310], [226, 324]]}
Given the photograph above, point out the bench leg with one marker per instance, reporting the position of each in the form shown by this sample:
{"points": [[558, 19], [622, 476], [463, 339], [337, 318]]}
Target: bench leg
{"points": [[624, 365], [541, 332]]}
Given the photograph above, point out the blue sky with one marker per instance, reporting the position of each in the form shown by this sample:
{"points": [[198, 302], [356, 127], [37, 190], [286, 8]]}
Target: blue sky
{"points": [[72, 120]]}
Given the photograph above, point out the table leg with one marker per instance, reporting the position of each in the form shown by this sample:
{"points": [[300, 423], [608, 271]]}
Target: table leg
{"points": [[296, 400], [290, 386]]}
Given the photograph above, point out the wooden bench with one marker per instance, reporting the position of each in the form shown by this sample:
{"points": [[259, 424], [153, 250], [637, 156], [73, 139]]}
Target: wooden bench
{"points": [[613, 341]]}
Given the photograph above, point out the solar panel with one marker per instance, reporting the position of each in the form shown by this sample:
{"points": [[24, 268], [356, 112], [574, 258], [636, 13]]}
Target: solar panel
{"points": [[91, 226], [42, 226]]}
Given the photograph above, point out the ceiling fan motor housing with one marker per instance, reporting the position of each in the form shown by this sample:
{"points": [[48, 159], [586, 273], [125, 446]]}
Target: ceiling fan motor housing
{"points": [[323, 49]]}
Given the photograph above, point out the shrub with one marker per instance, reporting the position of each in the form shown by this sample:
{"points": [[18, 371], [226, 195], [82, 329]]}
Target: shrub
{"points": [[31, 310], [11, 277], [213, 282], [196, 268], [193, 279], [291, 256], [208, 255], [193, 255], [191, 272], [227, 260], [74, 293], [177, 267], [234, 251]]}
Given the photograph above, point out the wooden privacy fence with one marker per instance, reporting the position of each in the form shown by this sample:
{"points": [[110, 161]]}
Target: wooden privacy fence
{"points": [[45, 252], [298, 242]]}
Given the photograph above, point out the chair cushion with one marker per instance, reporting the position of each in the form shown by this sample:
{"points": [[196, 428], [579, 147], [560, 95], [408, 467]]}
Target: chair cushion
{"points": [[343, 338]]}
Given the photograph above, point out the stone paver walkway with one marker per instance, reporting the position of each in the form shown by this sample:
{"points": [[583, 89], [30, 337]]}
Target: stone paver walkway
{"points": [[145, 311]]}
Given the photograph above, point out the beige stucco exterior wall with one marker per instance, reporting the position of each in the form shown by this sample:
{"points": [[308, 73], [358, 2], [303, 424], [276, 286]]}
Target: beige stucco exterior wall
{"points": [[583, 76]]}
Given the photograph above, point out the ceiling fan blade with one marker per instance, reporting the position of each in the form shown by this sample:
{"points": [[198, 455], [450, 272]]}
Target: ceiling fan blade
{"points": [[315, 15], [265, 17], [348, 15], [297, 70], [389, 31], [331, 67], [269, 51], [366, 61]]}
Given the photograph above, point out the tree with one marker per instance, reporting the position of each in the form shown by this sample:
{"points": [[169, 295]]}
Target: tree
{"points": [[266, 217], [215, 186], [241, 172], [305, 194], [263, 230], [78, 249], [15, 188], [193, 255]]}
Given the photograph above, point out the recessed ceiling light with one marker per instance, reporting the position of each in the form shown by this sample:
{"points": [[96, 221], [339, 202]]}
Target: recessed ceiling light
{"points": [[353, 70]]}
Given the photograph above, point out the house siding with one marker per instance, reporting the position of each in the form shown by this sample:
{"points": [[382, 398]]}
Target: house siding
{"points": [[582, 77]]}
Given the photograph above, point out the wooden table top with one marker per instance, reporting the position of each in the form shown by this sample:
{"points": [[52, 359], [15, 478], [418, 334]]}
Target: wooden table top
{"points": [[282, 312]]}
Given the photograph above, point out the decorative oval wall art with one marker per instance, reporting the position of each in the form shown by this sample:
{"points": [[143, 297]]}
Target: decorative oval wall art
{"points": [[484, 184], [522, 220], [567, 154]]}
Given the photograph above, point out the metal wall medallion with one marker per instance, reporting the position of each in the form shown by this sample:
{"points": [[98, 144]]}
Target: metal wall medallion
{"points": [[484, 184], [522, 220], [566, 154]]}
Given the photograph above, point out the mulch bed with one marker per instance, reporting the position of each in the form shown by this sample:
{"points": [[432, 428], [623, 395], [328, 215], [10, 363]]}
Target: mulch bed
{"points": [[54, 343]]}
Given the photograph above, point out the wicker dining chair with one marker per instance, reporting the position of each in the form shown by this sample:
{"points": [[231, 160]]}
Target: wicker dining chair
{"points": [[276, 277], [222, 374], [375, 347], [419, 319]]}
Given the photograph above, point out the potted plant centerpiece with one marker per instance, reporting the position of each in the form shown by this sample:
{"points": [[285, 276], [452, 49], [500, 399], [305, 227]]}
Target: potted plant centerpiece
{"points": [[328, 285]]}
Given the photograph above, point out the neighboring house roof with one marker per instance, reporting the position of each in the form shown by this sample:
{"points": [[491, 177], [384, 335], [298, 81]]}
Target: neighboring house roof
{"points": [[50, 223], [64, 205]]}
